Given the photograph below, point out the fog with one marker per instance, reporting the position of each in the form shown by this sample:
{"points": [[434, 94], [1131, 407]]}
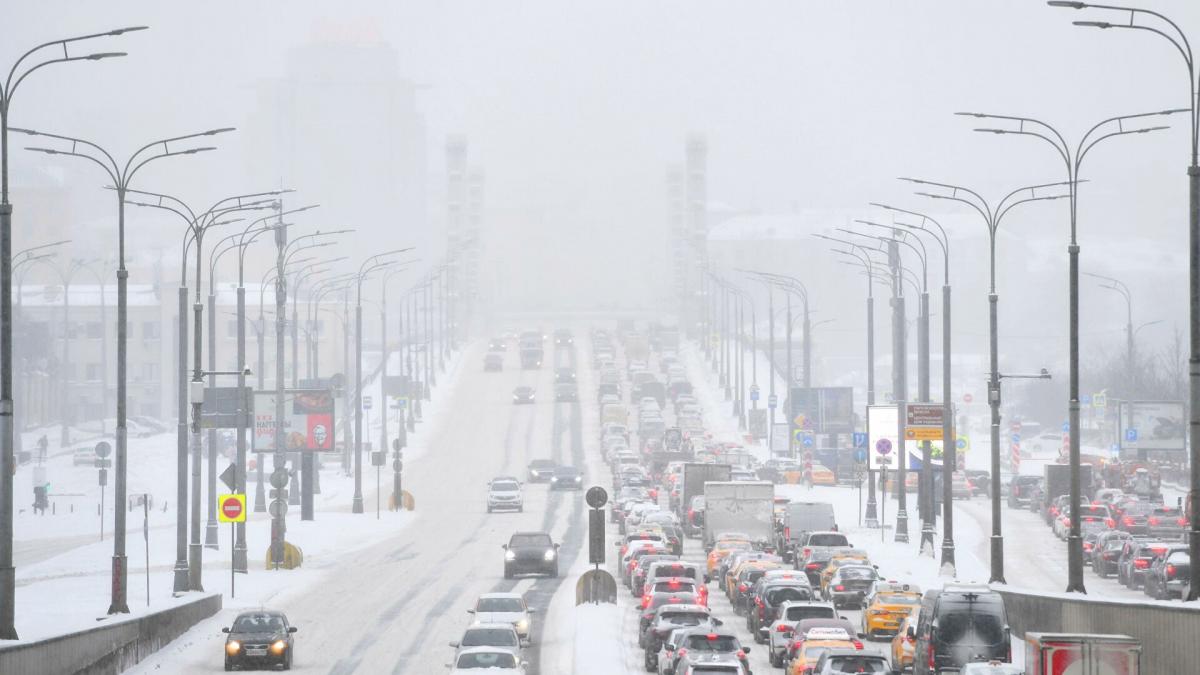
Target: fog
{"points": [[573, 112]]}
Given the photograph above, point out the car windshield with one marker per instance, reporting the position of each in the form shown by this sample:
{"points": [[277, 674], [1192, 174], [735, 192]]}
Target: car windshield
{"points": [[500, 605], [529, 540], [505, 486], [486, 660], [713, 643], [977, 625], [259, 623], [856, 573], [856, 664], [801, 612], [490, 637]]}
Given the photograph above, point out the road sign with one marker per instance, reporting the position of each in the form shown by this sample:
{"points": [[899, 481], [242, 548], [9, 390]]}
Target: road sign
{"points": [[102, 463], [1016, 438], [279, 478], [860, 455], [961, 443], [103, 477], [883, 446], [278, 508], [754, 392], [367, 403], [860, 439], [923, 434], [378, 458], [221, 407], [231, 508], [1100, 400], [1066, 427], [596, 497], [807, 440], [772, 401], [103, 449], [967, 398], [1131, 435], [1016, 427], [1086, 399], [923, 421], [229, 476]]}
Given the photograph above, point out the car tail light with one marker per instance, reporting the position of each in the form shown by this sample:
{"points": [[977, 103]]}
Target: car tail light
{"points": [[805, 551], [711, 637], [787, 533], [1087, 546], [682, 652], [1110, 523], [932, 663], [839, 587], [742, 587], [1170, 571], [812, 566], [741, 655], [673, 584], [645, 601], [1127, 520], [1141, 563], [691, 514], [1153, 520], [1182, 522], [857, 644]]}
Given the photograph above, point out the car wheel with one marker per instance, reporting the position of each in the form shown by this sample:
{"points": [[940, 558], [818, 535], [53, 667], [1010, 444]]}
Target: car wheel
{"points": [[554, 572], [228, 666], [775, 660], [507, 572]]}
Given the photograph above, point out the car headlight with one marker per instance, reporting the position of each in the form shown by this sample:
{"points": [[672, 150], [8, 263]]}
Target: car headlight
{"points": [[549, 554], [233, 647], [578, 479], [523, 625], [510, 556], [278, 646]]}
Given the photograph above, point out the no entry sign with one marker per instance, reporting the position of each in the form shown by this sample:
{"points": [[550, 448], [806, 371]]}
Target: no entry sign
{"points": [[231, 508]]}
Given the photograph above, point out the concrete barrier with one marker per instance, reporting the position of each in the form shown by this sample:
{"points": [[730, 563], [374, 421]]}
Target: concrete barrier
{"points": [[1170, 634], [107, 649]]}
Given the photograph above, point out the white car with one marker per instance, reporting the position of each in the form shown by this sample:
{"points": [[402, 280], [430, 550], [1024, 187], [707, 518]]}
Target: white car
{"points": [[507, 608], [496, 635], [505, 494], [992, 668], [471, 661]]}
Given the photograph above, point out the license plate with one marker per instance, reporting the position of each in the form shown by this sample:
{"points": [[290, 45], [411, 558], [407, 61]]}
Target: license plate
{"points": [[256, 652]]}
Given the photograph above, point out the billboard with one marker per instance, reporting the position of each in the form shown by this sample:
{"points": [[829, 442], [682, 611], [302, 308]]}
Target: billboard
{"points": [[882, 449], [827, 410], [758, 423], [307, 424], [1155, 425], [221, 405]]}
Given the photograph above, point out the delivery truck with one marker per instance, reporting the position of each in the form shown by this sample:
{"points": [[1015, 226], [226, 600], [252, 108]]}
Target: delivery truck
{"points": [[744, 507], [695, 475], [1081, 654]]}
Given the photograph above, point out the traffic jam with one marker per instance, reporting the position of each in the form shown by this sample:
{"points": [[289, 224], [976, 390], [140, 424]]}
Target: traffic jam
{"points": [[718, 572]]}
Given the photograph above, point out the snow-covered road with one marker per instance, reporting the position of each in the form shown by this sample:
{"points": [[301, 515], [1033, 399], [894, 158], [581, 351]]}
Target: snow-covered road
{"points": [[394, 606]]}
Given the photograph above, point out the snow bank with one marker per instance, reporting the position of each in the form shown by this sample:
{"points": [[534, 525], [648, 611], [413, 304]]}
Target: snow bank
{"points": [[597, 638]]}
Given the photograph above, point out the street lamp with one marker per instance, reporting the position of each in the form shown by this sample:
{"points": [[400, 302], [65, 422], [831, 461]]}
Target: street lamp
{"points": [[121, 177], [369, 265], [196, 223], [992, 218], [949, 449], [1175, 35], [859, 254], [1119, 287], [1028, 126], [17, 75]]}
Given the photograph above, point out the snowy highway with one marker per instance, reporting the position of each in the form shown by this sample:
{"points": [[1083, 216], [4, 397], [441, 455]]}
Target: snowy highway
{"points": [[395, 606]]}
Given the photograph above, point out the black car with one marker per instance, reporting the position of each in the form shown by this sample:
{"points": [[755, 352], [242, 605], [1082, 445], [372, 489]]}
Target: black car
{"points": [[971, 625], [566, 392], [564, 375], [566, 478], [540, 470], [1021, 490], [1107, 551], [497, 344], [530, 553], [563, 337], [1168, 573], [523, 394], [259, 638]]}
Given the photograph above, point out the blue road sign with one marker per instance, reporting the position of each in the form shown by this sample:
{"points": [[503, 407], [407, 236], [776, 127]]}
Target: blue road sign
{"points": [[754, 393], [860, 439], [1016, 438], [807, 440], [1086, 399], [860, 455], [1131, 435], [1066, 427], [961, 443]]}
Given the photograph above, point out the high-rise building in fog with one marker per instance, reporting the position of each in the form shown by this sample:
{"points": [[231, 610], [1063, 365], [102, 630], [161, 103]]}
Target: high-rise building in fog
{"points": [[341, 126]]}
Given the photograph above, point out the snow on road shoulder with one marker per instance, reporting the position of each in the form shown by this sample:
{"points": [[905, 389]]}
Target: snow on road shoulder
{"points": [[597, 640]]}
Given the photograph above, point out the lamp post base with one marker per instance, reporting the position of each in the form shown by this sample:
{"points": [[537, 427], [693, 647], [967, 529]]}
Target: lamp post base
{"points": [[180, 582], [1075, 564], [948, 566], [210, 535], [260, 497], [997, 560], [119, 577], [902, 526], [927, 536], [357, 505], [195, 561], [8, 583]]}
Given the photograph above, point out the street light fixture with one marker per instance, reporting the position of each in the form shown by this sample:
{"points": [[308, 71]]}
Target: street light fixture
{"points": [[8, 629], [992, 218], [121, 176], [1073, 161]]}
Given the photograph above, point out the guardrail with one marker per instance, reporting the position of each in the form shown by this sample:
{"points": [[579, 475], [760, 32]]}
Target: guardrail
{"points": [[107, 649], [1170, 634]]}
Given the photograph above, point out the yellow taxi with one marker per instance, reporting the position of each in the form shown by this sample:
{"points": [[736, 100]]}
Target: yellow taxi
{"points": [[721, 549], [731, 579], [849, 557], [887, 606], [818, 641], [903, 646], [822, 475]]}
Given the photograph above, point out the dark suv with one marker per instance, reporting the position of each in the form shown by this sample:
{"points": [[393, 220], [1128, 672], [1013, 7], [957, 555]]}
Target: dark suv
{"points": [[530, 553], [960, 624], [1168, 573], [1021, 490]]}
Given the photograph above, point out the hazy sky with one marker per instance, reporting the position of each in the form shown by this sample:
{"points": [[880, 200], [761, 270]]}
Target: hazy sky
{"points": [[576, 108]]}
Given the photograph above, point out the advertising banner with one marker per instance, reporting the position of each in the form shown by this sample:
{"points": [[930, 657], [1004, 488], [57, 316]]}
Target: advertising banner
{"points": [[827, 410], [308, 422], [1156, 425]]}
